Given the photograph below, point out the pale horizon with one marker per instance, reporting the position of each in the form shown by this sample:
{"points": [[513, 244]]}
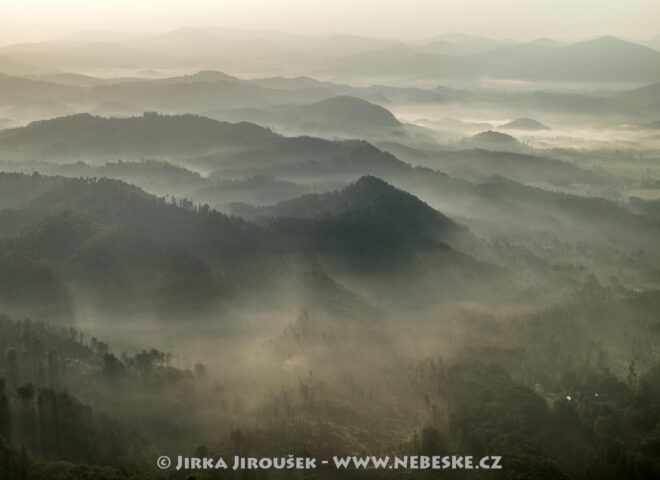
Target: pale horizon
{"points": [[519, 20]]}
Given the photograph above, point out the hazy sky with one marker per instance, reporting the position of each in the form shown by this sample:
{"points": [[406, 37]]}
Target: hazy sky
{"points": [[33, 20]]}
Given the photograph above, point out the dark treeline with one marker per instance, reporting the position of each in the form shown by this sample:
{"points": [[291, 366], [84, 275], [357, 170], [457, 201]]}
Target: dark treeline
{"points": [[561, 412]]}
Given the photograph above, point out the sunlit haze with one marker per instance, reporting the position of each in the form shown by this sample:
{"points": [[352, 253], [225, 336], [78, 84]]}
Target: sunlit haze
{"points": [[38, 20]]}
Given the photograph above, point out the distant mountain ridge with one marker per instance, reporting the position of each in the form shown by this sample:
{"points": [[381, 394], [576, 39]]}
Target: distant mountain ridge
{"points": [[150, 134], [493, 140], [602, 59], [343, 108], [525, 123], [193, 141], [341, 114]]}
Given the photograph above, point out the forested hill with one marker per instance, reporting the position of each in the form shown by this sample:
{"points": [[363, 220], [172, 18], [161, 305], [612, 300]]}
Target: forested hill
{"points": [[368, 194], [114, 240], [379, 215], [54, 402], [369, 218], [150, 134], [119, 206]]}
